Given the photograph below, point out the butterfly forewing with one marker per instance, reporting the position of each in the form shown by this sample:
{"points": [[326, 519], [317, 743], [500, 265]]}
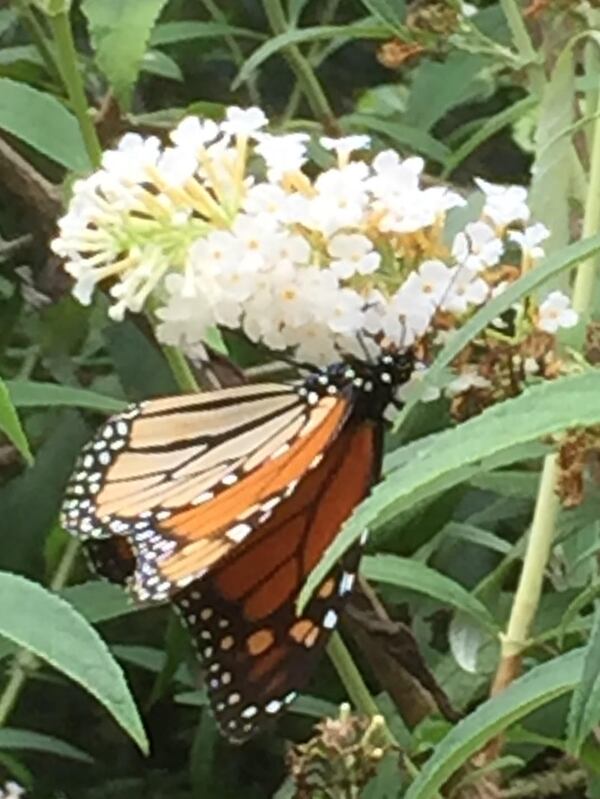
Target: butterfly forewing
{"points": [[186, 479], [257, 652]]}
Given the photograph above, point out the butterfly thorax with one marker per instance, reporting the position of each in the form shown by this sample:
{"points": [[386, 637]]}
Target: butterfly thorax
{"points": [[372, 385]]}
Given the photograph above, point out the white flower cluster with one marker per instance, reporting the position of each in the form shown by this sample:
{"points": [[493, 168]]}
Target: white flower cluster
{"points": [[225, 228]]}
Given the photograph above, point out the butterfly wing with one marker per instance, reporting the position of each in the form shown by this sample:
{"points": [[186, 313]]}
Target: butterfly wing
{"points": [[256, 651], [186, 479]]}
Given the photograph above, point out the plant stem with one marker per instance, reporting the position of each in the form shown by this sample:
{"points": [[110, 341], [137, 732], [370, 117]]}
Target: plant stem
{"points": [[327, 17], [236, 50], [38, 36], [352, 680], [71, 75], [181, 369], [304, 72], [523, 43], [25, 662], [585, 279]]}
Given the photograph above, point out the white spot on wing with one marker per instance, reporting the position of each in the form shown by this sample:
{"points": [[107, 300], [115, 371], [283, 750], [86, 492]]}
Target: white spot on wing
{"points": [[330, 620], [238, 532]]}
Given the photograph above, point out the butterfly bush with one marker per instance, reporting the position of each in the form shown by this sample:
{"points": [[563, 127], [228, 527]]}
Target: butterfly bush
{"points": [[234, 227]]}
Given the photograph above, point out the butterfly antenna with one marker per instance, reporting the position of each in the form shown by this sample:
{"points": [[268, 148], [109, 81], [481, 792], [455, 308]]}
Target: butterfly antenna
{"points": [[363, 345]]}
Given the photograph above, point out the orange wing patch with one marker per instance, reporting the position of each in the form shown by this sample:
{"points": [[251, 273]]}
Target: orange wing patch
{"points": [[250, 595], [263, 489]]}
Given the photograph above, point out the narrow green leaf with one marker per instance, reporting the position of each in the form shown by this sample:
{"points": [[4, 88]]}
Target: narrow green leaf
{"points": [[42, 122], [584, 712], [401, 135], [365, 29], [478, 536], [390, 12], [550, 267], [540, 686], [45, 624], [120, 31], [29, 393], [155, 62], [445, 459], [174, 32], [486, 130], [10, 424], [30, 502], [406, 573], [437, 87], [28, 741], [549, 197]]}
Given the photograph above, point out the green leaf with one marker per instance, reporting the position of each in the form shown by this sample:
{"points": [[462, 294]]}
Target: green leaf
{"points": [[140, 365], [476, 535], [550, 267], [120, 31], [584, 712], [401, 135], [42, 122], [439, 87], [46, 625], [174, 32], [363, 29], [390, 12], [158, 63], [540, 686], [100, 601], [28, 741], [53, 7], [442, 460], [549, 197], [29, 393], [10, 424], [30, 502], [406, 573], [486, 130]]}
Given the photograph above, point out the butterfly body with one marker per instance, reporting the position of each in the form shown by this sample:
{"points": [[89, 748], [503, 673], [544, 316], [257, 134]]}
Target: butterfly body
{"points": [[225, 502]]}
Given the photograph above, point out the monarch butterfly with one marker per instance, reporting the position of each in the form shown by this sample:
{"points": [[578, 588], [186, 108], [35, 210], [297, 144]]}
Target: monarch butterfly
{"points": [[223, 502]]}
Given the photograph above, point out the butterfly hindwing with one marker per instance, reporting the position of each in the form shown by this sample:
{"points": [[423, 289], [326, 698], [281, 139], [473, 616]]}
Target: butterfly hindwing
{"points": [[256, 650]]}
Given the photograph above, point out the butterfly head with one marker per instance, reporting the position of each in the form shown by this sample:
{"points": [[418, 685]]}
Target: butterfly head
{"points": [[372, 383]]}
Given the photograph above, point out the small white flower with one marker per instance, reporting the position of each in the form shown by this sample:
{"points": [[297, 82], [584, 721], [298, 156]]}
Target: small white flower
{"points": [[218, 252], [414, 386], [265, 198], [176, 165], [243, 121], [428, 285], [466, 380], [346, 145], [530, 239], [556, 312], [352, 253], [193, 133], [346, 315], [504, 204], [465, 289], [477, 247], [282, 154], [468, 9], [341, 199], [12, 790], [131, 159]]}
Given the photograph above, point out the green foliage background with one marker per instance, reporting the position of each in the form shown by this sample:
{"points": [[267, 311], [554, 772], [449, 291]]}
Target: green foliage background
{"points": [[99, 699]]}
